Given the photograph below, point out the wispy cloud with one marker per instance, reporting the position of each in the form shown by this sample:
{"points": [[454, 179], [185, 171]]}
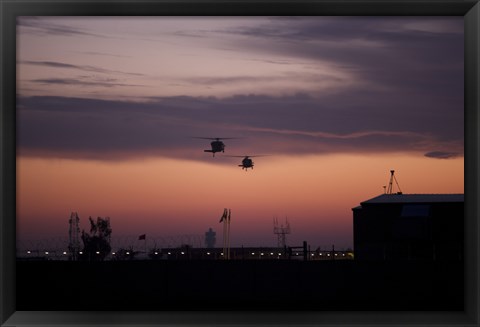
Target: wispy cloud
{"points": [[354, 135], [163, 126], [232, 79], [94, 53], [399, 53], [442, 155], [288, 76], [87, 68], [40, 26], [81, 82]]}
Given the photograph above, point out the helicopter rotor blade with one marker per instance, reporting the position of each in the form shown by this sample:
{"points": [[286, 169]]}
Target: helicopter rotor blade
{"points": [[203, 138], [258, 155], [215, 138]]}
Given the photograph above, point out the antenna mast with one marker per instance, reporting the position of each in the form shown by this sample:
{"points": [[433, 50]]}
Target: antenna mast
{"points": [[390, 184]]}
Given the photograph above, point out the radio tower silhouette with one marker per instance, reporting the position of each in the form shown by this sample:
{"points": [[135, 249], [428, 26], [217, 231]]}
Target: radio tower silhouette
{"points": [[281, 231], [390, 184]]}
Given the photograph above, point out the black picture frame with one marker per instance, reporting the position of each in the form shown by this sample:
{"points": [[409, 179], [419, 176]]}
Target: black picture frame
{"points": [[10, 9]]}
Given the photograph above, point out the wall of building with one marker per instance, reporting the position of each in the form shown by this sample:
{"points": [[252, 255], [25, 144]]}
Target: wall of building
{"points": [[390, 231]]}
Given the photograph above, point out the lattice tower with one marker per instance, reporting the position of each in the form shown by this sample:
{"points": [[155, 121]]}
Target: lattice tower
{"points": [[281, 231]]}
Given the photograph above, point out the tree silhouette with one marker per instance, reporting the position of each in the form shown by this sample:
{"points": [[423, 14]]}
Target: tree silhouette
{"points": [[96, 245]]}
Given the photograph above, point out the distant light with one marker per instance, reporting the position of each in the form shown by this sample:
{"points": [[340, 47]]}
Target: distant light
{"points": [[80, 252], [64, 252], [113, 253], [221, 253], [156, 252], [261, 253], [336, 254], [313, 254], [321, 254], [253, 253], [128, 252], [328, 254], [343, 254], [46, 252], [208, 253], [169, 253], [296, 253], [98, 252], [279, 254], [28, 252]]}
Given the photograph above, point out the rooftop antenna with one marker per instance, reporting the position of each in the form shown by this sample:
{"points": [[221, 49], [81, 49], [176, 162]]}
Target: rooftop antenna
{"points": [[390, 184]]}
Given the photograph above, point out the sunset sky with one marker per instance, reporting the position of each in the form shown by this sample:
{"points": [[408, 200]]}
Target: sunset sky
{"points": [[108, 108]]}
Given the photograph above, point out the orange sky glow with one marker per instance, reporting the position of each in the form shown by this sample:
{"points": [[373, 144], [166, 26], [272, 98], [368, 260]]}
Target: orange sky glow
{"points": [[163, 197]]}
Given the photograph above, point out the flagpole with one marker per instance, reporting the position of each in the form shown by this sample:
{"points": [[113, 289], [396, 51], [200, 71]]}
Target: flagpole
{"points": [[225, 233], [228, 233]]}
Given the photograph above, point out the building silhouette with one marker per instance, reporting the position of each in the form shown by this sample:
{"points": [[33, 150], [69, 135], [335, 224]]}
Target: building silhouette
{"points": [[210, 238], [409, 226]]}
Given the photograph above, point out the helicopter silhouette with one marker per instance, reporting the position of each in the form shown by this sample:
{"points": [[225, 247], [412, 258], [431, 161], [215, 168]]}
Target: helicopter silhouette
{"points": [[216, 144], [247, 162]]}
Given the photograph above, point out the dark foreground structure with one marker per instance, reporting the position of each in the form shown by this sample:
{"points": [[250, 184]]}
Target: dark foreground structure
{"points": [[425, 227], [239, 285], [408, 257]]}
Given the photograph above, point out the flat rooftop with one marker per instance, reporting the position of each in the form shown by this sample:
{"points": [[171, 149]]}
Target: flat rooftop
{"points": [[415, 198]]}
